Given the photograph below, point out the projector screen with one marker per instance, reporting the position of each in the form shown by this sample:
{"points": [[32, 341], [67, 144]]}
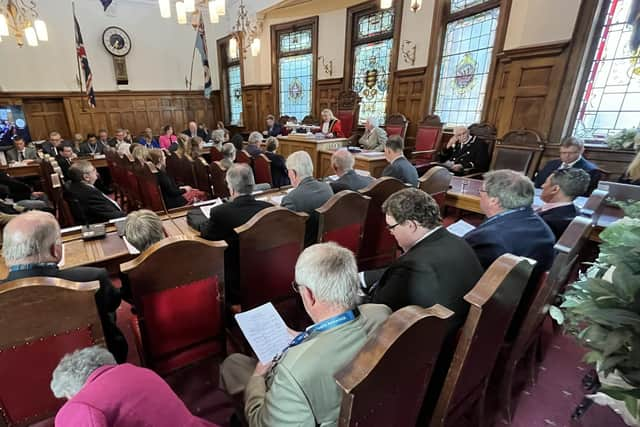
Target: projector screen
{"points": [[12, 124]]}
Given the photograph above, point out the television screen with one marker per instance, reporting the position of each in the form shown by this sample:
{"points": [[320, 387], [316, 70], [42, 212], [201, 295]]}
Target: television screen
{"points": [[12, 124]]}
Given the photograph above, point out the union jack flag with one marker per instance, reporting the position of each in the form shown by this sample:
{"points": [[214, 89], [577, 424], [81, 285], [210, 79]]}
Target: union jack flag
{"points": [[84, 61]]}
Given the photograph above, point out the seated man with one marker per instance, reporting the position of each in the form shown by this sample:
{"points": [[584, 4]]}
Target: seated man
{"points": [[427, 273], [64, 159], [342, 162], [299, 388], [194, 130], [94, 204], [308, 193], [224, 218], [558, 193], [32, 246], [571, 150], [53, 146], [101, 393], [279, 174], [399, 167], [92, 146], [253, 146], [374, 138], [273, 128], [21, 152], [511, 225], [464, 154]]}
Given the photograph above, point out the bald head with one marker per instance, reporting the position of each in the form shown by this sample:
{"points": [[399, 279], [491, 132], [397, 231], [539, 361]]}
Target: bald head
{"points": [[342, 161], [32, 237]]}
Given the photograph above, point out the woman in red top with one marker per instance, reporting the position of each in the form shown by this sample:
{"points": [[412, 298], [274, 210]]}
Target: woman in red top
{"points": [[331, 126]]}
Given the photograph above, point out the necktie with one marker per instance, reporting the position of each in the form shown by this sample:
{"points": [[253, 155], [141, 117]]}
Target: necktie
{"points": [[20, 156]]}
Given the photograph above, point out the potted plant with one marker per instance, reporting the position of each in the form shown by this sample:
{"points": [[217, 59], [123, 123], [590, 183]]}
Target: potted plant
{"points": [[626, 139], [602, 311]]}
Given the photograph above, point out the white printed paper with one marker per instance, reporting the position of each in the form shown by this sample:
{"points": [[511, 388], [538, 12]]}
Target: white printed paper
{"points": [[277, 200], [206, 209], [265, 331], [460, 228], [132, 250]]}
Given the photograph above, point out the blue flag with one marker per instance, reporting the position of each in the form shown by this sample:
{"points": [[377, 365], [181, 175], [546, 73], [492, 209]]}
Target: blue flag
{"points": [[201, 46], [106, 3]]}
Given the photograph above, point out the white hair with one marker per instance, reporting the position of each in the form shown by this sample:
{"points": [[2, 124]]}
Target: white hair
{"points": [[255, 138], [343, 159], [330, 272], [301, 163], [240, 178], [75, 368], [143, 228], [29, 237]]}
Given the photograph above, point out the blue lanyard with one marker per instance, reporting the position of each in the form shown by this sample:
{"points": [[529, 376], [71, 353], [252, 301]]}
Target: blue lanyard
{"points": [[31, 266], [325, 325], [505, 213]]}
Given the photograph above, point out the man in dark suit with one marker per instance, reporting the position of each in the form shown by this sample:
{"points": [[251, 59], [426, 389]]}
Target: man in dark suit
{"points": [[32, 246], [342, 162], [95, 205], [308, 195], [21, 152], [64, 160], [224, 218], [464, 154], [194, 130], [429, 272], [558, 193], [511, 225], [279, 173], [399, 167], [92, 146], [273, 127], [253, 146], [53, 146], [571, 150]]}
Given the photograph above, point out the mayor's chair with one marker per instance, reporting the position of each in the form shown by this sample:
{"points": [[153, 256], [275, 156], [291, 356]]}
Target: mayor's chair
{"points": [[396, 124], [41, 320], [347, 113], [428, 140], [180, 311]]}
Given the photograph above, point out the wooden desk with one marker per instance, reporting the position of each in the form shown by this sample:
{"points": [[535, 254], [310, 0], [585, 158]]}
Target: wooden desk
{"points": [[373, 163], [300, 142], [34, 169]]}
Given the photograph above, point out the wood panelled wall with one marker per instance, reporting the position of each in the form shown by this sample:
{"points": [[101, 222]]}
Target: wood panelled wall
{"points": [[407, 97], [257, 103], [327, 92], [69, 113]]}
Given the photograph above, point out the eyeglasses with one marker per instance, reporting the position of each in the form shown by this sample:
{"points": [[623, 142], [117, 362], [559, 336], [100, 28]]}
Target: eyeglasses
{"points": [[296, 287], [391, 227], [483, 191]]}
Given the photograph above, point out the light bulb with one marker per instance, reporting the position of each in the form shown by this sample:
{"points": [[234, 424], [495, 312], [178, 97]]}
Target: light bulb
{"points": [[386, 4], [4, 28], [233, 48], [213, 15], [255, 47], [220, 7], [189, 6], [165, 8], [41, 30], [416, 5], [30, 35], [181, 13]]}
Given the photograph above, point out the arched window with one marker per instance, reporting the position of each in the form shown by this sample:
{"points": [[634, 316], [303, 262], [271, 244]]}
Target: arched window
{"points": [[230, 82]]}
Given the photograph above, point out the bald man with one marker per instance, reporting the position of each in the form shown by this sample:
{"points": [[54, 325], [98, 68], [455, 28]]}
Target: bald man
{"points": [[32, 246], [342, 162], [463, 154]]}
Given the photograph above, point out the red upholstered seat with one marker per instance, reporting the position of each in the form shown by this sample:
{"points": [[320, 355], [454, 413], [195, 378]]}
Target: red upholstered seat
{"points": [[216, 155], [243, 156], [347, 112], [218, 180], [341, 219], [396, 124], [428, 137], [262, 170], [150, 191]]}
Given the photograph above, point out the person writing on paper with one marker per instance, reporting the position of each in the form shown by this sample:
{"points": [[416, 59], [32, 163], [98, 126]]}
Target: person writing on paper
{"points": [[331, 127], [225, 217], [374, 138], [464, 154], [32, 247], [21, 152], [298, 388], [342, 162], [101, 393]]}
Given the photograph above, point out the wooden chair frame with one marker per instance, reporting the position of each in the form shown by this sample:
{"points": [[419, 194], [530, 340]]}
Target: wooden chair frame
{"points": [[398, 119], [351, 208], [436, 182]]}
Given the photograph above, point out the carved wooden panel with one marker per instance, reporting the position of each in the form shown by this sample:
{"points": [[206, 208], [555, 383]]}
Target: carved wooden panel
{"points": [[327, 92], [527, 88], [257, 103], [44, 116], [407, 98]]}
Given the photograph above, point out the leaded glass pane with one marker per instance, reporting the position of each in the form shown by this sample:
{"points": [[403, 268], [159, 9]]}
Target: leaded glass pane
{"points": [[371, 78], [466, 59], [296, 81], [235, 94], [458, 5], [611, 99], [375, 24], [295, 41]]}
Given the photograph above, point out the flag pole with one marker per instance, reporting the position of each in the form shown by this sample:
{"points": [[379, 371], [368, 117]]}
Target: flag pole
{"points": [[79, 79], [193, 58]]}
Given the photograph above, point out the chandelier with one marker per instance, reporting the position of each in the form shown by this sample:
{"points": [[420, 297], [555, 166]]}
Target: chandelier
{"points": [[244, 34], [414, 6], [20, 19], [216, 9]]}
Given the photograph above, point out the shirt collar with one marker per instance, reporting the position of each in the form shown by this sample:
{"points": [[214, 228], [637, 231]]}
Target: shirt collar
{"points": [[570, 165], [427, 234], [549, 206]]}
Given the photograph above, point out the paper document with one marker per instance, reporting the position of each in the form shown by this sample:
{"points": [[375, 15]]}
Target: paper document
{"points": [[206, 209], [460, 228], [132, 250], [277, 200], [265, 331], [371, 154]]}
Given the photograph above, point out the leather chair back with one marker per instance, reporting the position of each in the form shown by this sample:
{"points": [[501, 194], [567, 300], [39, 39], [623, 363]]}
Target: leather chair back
{"points": [[341, 219]]}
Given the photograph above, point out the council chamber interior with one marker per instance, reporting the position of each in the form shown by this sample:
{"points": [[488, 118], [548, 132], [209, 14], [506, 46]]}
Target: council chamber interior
{"points": [[335, 213]]}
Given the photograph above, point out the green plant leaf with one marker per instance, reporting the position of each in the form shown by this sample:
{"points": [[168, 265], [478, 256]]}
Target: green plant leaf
{"points": [[592, 357], [615, 340], [556, 314]]}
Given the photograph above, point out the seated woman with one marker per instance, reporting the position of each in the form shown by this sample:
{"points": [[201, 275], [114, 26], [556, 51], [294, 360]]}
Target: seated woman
{"points": [[102, 393], [167, 138], [172, 195], [184, 146], [279, 174], [140, 154], [148, 140], [196, 147], [331, 126], [228, 156], [632, 174]]}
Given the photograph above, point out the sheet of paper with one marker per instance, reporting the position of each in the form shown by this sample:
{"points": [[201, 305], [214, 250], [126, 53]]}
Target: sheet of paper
{"points": [[132, 250], [371, 154], [460, 228], [277, 200], [363, 172], [265, 331], [206, 209]]}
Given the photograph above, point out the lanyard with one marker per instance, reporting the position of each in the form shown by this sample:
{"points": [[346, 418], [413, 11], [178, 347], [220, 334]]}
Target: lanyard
{"points": [[31, 266], [325, 325]]}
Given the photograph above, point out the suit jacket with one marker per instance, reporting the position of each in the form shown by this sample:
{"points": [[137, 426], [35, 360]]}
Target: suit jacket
{"points": [[222, 220], [351, 180], [94, 203], [428, 274], [85, 148], [374, 140], [29, 153], [473, 156], [126, 395], [275, 130], [48, 148], [308, 196], [18, 190], [253, 150], [301, 389], [279, 173], [64, 164], [200, 132], [553, 165], [403, 170], [107, 299], [558, 219], [171, 193]]}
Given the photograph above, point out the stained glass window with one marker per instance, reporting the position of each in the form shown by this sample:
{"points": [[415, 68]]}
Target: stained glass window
{"points": [[464, 68], [611, 98], [235, 94], [296, 80], [295, 41], [458, 5], [372, 62]]}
